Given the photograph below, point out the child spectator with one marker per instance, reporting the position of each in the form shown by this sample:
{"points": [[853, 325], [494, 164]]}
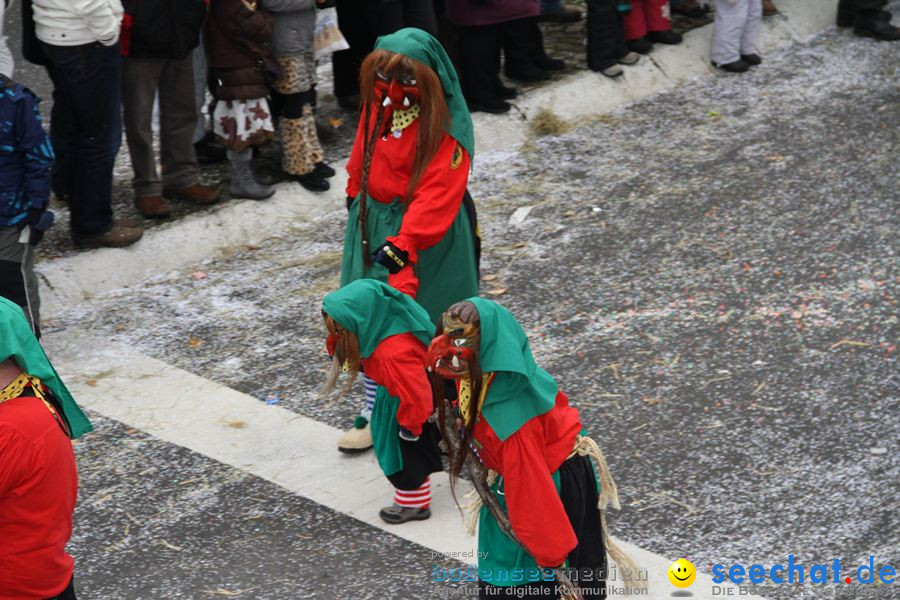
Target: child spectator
{"points": [[235, 37], [292, 46], [734, 35], [648, 23], [26, 158]]}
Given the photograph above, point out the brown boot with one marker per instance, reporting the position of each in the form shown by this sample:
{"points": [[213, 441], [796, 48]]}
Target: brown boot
{"points": [[769, 8], [198, 194], [153, 207], [117, 237]]}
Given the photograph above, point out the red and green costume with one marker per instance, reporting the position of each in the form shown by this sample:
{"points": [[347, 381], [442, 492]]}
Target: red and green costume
{"points": [[528, 434], [433, 226], [392, 330]]}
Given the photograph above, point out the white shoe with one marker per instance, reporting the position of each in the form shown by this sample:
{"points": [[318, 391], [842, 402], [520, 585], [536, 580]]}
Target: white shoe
{"points": [[629, 59], [356, 439]]}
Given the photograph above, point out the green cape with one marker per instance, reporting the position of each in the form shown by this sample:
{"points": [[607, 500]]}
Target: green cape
{"points": [[17, 341], [373, 310], [421, 46], [521, 390]]}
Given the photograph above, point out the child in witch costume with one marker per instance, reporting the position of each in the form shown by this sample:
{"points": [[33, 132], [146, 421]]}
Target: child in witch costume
{"points": [[383, 331], [519, 424], [411, 222], [38, 479]]}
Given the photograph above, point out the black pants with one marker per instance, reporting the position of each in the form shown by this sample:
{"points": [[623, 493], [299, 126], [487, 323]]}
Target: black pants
{"points": [[362, 22], [479, 61], [578, 492], [605, 34], [68, 593], [86, 130], [522, 43], [420, 459]]}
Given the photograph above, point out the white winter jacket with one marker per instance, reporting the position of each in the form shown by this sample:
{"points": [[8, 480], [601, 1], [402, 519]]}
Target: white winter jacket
{"points": [[76, 22]]}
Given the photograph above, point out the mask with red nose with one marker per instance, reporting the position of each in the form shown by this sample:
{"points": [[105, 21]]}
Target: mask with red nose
{"points": [[396, 92], [452, 353]]}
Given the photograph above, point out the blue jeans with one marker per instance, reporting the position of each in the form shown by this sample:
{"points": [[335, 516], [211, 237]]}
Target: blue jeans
{"points": [[87, 99]]}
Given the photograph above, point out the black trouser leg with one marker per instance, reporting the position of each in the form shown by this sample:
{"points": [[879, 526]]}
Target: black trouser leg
{"points": [[605, 34], [362, 22], [519, 44], [479, 61]]}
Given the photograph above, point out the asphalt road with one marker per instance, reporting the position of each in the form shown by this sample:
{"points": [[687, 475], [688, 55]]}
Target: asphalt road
{"points": [[711, 275]]}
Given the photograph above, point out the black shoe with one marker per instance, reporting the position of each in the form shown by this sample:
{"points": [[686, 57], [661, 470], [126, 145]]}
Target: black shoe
{"points": [[527, 72], [549, 64], [738, 66], [875, 28], [505, 93], [494, 106], [665, 37], [208, 153], [311, 181], [323, 170], [640, 45], [751, 59], [846, 18]]}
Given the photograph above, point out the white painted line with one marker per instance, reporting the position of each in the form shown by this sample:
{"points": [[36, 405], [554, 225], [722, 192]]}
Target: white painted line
{"points": [[295, 452]]}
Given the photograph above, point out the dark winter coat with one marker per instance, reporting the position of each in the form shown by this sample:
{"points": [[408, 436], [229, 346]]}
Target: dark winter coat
{"points": [[468, 13], [235, 41], [161, 28]]}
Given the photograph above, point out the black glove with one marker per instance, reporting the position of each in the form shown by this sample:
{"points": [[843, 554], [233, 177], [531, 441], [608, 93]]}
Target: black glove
{"points": [[38, 220], [406, 434], [391, 257], [350, 200]]}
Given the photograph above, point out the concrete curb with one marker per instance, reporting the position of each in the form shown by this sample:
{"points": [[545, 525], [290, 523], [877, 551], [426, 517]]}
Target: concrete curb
{"points": [[71, 280]]}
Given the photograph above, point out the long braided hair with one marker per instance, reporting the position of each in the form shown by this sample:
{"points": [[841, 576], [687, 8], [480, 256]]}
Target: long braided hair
{"points": [[466, 311], [433, 119]]}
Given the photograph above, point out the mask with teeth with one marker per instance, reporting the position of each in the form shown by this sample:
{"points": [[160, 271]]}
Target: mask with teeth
{"points": [[454, 352]]}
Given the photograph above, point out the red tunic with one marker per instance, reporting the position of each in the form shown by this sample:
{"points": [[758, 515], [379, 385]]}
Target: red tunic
{"points": [[435, 202], [527, 460], [38, 488], [397, 364]]}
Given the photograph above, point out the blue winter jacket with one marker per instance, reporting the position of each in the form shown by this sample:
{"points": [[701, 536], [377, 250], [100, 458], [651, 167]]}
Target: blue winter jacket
{"points": [[26, 155]]}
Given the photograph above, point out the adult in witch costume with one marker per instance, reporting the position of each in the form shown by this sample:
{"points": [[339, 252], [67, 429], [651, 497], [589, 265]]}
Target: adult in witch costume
{"points": [[518, 423], [383, 331], [411, 221], [38, 480]]}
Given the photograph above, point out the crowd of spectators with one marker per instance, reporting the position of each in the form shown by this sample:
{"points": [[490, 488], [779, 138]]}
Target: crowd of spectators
{"points": [[115, 64]]}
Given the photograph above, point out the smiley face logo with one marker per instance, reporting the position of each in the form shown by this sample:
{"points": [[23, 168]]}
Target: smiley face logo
{"points": [[682, 573]]}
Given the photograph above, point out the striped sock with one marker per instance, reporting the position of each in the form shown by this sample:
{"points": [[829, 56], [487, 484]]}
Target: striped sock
{"points": [[371, 386], [418, 498]]}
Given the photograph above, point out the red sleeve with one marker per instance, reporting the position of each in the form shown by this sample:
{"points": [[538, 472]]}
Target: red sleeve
{"points": [[536, 512], [16, 457], [436, 200], [354, 163], [400, 364]]}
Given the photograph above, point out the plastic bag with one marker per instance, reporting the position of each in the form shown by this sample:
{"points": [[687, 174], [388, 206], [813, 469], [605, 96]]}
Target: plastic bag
{"points": [[328, 38]]}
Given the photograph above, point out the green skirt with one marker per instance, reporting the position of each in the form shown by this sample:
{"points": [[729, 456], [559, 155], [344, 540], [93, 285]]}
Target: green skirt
{"points": [[386, 432], [447, 272], [501, 561]]}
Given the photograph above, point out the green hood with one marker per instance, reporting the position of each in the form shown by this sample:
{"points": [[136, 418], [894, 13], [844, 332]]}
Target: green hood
{"points": [[374, 311], [17, 341], [521, 390], [421, 46]]}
